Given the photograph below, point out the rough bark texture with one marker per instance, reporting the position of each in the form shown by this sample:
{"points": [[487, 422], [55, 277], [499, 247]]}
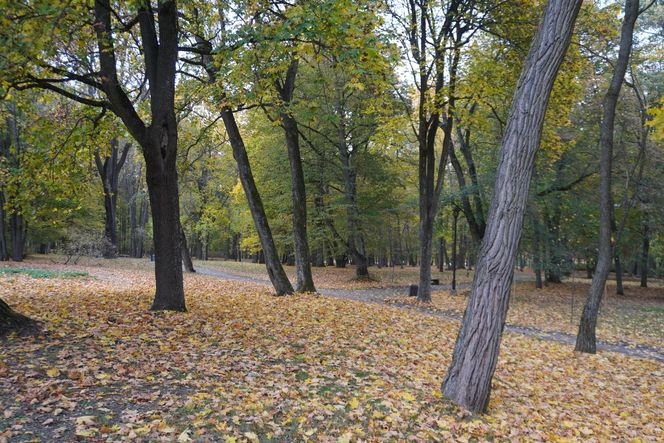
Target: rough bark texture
{"points": [[305, 281], [12, 321], [468, 379], [158, 139], [275, 271], [585, 339]]}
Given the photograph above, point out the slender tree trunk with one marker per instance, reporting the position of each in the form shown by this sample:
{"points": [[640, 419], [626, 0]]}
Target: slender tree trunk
{"points": [[305, 281], [355, 240], [274, 269], [19, 230], [12, 321], [620, 290], [585, 340], [468, 380], [645, 250], [4, 249], [537, 254], [109, 171], [186, 256]]}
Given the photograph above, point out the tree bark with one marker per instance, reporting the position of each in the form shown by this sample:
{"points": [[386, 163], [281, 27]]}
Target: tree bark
{"points": [[12, 321], [4, 249], [355, 241], [186, 256], [585, 339], [275, 270], [109, 171], [305, 281], [158, 139], [645, 250], [19, 230], [468, 380]]}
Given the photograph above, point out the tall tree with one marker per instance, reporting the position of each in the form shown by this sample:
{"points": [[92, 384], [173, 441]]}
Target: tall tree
{"points": [[585, 339], [109, 168], [285, 88], [99, 71], [435, 33], [468, 380]]}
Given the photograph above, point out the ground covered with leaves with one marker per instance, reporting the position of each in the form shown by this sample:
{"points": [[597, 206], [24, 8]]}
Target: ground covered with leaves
{"points": [[243, 365], [634, 319]]}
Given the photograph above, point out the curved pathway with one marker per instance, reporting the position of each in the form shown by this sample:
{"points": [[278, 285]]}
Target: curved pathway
{"points": [[378, 296]]}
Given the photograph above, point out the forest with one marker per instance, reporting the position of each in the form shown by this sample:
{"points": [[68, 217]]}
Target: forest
{"points": [[331, 220]]}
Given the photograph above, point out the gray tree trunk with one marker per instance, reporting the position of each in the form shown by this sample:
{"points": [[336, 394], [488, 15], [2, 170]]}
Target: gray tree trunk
{"points": [[305, 281], [585, 339], [468, 380]]}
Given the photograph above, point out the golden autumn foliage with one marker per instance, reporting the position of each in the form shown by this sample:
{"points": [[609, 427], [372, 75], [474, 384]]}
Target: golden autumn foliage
{"points": [[243, 365]]}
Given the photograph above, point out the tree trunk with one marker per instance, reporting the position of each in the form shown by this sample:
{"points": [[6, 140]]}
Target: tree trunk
{"points": [[645, 256], [166, 232], [186, 256], [305, 281], [274, 269], [4, 249], [19, 230], [12, 321], [109, 171], [468, 380], [585, 340], [355, 240], [620, 290]]}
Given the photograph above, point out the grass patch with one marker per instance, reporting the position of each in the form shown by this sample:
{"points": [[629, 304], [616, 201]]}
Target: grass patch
{"points": [[42, 273]]}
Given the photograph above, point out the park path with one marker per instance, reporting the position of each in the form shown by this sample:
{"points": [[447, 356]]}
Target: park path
{"points": [[379, 295]]}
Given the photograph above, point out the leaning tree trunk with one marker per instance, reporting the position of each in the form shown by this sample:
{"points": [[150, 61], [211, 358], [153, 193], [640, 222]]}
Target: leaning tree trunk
{"points": [[585, 339], [186, 256], [275, 271], [305, 281], [468, 380], [12, 321]]}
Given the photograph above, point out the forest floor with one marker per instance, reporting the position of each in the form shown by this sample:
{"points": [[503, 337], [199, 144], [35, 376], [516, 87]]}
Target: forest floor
{"points": [[242, 365]]}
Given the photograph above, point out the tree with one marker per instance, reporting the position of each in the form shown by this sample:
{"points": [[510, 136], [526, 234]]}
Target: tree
{"points": [[109, 170], [585, 340], [91, 73], [468, 380]]}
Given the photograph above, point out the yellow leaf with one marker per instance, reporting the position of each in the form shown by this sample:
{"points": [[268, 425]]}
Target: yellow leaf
{"points": [[354, 403], [408, 396], [251, 436], [345, 438], [53, 372], [184, 437]]}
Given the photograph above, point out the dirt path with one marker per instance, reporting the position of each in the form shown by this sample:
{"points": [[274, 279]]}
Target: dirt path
{"points": [[378, 296]]}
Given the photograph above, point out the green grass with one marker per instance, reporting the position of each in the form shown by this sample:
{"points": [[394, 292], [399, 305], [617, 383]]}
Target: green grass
{"points": [[42, 273]]}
